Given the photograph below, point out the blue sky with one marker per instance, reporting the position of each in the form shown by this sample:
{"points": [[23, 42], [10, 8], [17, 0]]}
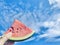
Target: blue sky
{"points": [[43, 16]]}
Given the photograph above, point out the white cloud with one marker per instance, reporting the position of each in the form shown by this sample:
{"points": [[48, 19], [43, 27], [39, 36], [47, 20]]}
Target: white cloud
{"points": [[54, 28], [58, 3], [55, 2], [48, 23], [52, 1], [52, 33]]}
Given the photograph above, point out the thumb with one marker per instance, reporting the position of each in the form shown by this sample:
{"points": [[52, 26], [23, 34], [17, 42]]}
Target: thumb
{"points": [[4, 38]]}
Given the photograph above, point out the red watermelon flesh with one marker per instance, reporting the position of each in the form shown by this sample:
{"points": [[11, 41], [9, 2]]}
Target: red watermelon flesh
{"points": [[19, 31]]}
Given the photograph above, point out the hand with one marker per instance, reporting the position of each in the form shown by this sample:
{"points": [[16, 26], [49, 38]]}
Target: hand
{"points": [[4, 39]]}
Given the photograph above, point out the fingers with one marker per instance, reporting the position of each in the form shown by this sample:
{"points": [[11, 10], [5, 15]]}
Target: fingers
{"points": [[5, 37]]}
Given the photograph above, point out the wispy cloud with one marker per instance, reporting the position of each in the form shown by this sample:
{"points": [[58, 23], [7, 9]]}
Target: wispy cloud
{"points": [[54, 28], [51, 1], [56, 3]]}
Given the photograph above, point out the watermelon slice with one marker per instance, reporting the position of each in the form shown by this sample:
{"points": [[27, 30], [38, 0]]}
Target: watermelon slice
{"points": [[19, 31]]}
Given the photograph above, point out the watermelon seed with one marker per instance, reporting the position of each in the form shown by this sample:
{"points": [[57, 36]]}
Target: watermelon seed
{"points": [[17, 29], [12, 28]]}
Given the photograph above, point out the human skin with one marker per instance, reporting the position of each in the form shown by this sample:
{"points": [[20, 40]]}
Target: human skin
{"points": [[4, 40]]}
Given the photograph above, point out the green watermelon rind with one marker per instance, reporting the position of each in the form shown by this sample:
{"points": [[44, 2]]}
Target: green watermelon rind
{"points": [[22, 38]]}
